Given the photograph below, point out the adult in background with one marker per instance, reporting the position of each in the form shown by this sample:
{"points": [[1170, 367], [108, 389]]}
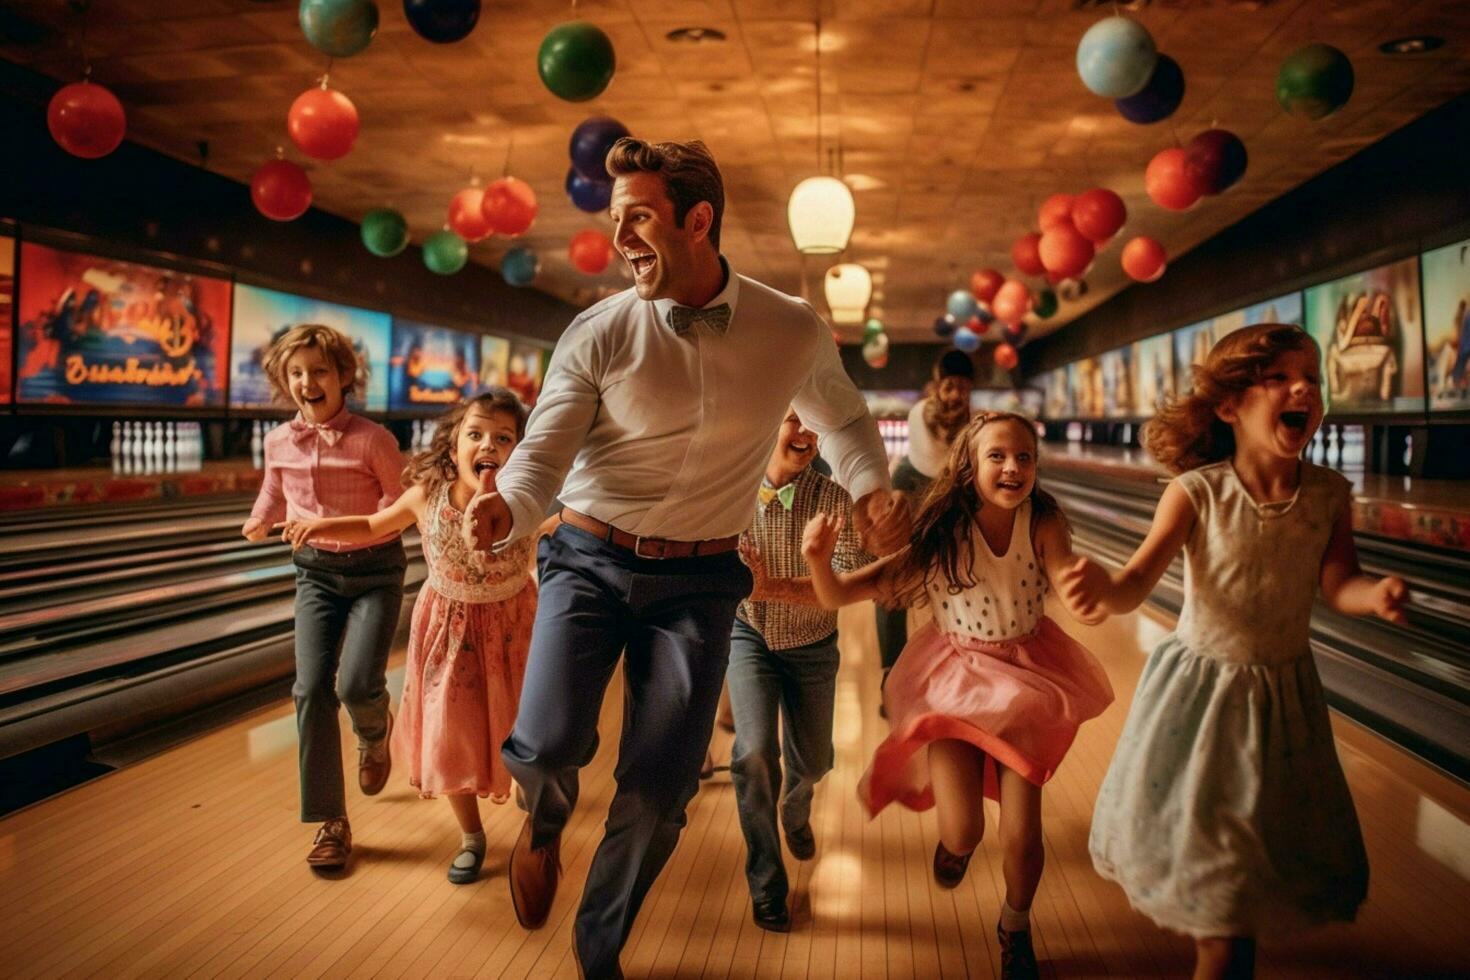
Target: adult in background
{"points": [[655, 423], [934, 421]]}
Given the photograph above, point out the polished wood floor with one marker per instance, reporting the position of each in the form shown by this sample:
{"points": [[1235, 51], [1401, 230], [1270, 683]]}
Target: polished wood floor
{"points": [[190, 864]]}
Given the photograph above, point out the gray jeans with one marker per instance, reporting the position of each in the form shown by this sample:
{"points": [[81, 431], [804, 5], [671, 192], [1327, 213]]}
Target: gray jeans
{"points": [[799, 686], [346, 614]]}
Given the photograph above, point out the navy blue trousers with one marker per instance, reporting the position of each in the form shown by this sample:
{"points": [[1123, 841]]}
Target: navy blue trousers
{"points": [[669, 620]]}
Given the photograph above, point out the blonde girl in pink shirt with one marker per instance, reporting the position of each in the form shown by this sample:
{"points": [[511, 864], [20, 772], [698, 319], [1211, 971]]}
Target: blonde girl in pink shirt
{"points": [[328, 462], [471, 622]]}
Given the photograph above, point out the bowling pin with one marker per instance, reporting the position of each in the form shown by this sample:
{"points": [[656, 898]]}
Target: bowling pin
{"points": [[257, 445], [115, 447]]}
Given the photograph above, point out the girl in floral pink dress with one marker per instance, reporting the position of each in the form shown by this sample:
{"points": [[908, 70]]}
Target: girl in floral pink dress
{"points": [[471, 622]]}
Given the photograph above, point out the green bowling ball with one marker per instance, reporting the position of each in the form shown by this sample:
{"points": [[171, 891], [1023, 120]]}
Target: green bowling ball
{"points": [[576, 61], [1315, 81], [445, 253], [339, 28], [384, 232]]}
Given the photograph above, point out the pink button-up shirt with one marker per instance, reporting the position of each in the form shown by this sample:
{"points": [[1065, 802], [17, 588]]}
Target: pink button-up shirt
{"points": [[308, 477]]}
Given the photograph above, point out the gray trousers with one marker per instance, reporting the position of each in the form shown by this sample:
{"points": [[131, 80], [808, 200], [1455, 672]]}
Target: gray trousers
{"points": [[799, 686], [346, 615]]}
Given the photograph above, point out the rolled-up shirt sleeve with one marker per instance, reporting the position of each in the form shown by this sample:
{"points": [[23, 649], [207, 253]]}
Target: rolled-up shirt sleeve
{"points": [[831, 406], [555, 432]]}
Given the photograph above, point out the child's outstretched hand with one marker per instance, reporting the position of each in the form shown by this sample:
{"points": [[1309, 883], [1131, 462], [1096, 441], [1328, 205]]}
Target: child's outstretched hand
{"points": [[255, 529], [298, 533], [1388, 598], [751, 555], [1082, 586], [819, 540]]}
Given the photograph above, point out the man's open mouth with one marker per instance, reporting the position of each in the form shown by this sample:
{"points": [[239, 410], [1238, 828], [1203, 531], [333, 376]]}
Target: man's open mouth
{"points": [[641, 262]]}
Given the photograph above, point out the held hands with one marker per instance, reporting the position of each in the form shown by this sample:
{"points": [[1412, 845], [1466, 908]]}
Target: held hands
{"points": [[486, 520], [882, 521], [1083, 587], [1388, 598], [819, 539], [255, 530], [298, 533]]}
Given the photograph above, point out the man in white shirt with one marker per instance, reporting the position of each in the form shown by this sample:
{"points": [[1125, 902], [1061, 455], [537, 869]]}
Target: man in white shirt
{"points": [[655, 422]]}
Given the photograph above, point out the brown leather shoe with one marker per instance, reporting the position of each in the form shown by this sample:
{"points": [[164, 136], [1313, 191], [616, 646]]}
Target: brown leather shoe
{"points": [[374, 763], [332, 845], [534, 873]]}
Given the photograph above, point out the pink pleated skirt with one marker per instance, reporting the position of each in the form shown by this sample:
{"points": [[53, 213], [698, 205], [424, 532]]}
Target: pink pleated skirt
{"points": [[1020, 701], [461, 691]]}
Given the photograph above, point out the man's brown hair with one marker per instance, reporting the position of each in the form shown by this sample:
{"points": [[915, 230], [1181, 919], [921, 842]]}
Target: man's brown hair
{"points": [[688, 169]]}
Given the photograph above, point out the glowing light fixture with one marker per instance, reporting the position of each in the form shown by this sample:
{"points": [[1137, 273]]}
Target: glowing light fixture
{"points": [[821, 210], [821, 213], [848, 287]]}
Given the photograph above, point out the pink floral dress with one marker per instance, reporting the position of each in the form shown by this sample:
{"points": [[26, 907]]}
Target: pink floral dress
{"points": [[466, 660]]}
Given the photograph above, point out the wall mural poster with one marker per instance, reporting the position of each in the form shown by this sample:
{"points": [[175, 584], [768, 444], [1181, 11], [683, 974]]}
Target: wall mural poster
{"points": [[7, 311], [1058, 403], [1191, 346], [523, 371], [1282, 309], [1372, 338], [431, 367], [1447, 325], [1086, 380], [98, 331], [263, 315], [1117, 380], [494, 360], [1153, 373]]}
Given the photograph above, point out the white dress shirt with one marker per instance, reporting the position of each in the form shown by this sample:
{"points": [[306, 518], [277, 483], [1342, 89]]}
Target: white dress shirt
{"points": [[668, 436]]}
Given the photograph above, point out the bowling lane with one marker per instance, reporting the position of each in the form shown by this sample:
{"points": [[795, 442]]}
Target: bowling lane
{"points": [[190, 863]]}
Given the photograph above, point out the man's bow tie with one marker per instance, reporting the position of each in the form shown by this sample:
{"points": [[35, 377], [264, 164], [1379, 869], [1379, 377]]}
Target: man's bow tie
{"points": [[301, 431], [683, 318], [786, 495]]}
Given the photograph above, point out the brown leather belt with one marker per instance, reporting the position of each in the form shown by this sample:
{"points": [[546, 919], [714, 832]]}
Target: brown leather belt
{"points": [[645, 547]]}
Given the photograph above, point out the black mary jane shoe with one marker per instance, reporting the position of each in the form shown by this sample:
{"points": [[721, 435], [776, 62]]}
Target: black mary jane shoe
{"points": [[462, 874], [771, 915], [949, 869]]}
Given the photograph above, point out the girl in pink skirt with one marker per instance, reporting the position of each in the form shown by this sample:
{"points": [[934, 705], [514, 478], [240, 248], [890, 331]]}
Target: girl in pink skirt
{"points": [[986, 699], [471, 621]]}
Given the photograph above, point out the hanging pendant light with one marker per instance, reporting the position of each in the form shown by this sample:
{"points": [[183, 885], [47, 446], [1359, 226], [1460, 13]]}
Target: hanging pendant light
{"points": [[821, 213], [848, 287], [821, 210]]}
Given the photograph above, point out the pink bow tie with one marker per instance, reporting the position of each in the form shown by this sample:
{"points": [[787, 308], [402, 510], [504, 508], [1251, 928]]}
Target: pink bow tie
{"points": [[302, 431]]}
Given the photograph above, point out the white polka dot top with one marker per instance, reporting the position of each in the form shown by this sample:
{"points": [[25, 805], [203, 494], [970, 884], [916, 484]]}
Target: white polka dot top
{"points": [[1006, 600]]}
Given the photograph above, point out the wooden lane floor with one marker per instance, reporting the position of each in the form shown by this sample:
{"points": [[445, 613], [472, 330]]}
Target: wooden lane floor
{"points": [[191, 864]]}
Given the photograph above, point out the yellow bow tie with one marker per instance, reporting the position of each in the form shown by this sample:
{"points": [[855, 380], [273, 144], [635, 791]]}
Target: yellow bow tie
{"points": [[786, 495]]}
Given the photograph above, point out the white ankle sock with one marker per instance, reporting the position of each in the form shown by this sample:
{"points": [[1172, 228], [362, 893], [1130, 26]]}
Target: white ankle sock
{"points": [[1013, 921], [474, 843]]}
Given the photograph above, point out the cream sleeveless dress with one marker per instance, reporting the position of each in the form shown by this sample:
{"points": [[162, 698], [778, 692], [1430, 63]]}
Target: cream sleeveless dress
{"points": [[1225, 810]]}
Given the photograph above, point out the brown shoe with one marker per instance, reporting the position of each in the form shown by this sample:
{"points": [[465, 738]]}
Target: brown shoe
{"points": [[332, 845], [374, 763], [534, 873], [949, 868]]}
